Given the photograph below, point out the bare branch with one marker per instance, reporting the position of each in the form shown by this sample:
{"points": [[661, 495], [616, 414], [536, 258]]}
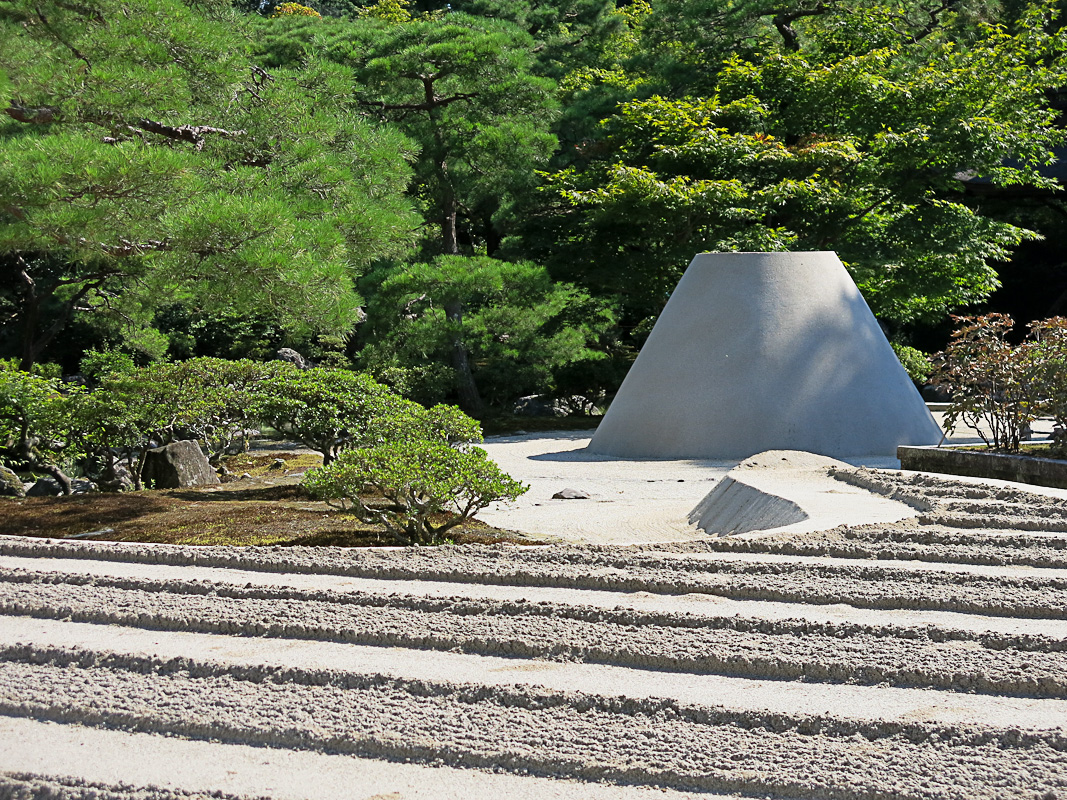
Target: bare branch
{"points": [[429, 105], [935, 20], [60, 39], [784, 20], [41, 115], [194, 134], [16, 212], [128, 248], [24, 275], [260, 78]]}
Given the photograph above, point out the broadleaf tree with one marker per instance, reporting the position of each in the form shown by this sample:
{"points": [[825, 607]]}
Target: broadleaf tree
{"points": [[822, 146]]}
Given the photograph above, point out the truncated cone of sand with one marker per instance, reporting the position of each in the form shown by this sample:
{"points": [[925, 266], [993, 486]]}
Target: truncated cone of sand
{"points": [[765, 351]]}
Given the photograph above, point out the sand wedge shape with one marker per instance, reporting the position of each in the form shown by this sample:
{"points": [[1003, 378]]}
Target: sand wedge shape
{"points": [[763, 351]]}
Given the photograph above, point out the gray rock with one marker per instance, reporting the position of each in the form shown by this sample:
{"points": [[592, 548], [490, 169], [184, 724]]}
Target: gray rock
{"points": [[176, 466], [570, 494], [534, 405], [91, 534], [122, 482], [293, 357], [936, 394], [278, 463], [11, 484], [45, 487], [540, 405]]}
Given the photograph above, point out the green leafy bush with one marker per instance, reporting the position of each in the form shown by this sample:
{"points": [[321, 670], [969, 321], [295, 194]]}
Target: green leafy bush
{"points": [[35, 425], [915, 362], [329, 410], [98, 364], [428, 486], [207, 399], [422, 480], [110, 425], [203, 398]]}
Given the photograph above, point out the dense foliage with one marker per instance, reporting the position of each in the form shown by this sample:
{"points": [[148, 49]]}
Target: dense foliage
{"points": [[998, 388], [485, 199], [483, 329], [34, 424], [428, 474], [346, 416], [853, 146], [146, 156], [329, 410]]}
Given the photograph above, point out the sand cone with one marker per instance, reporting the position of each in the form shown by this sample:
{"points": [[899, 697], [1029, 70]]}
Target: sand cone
{"points": [[765, 351]]}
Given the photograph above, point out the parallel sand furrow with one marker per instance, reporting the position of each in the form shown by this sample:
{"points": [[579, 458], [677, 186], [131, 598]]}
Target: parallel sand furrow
{"points": [[616, 569], [707, 606], [143, 766], [956, 660], [933, 544], [571, 605], [565, 734], [844, 701], [911, 570], [25, 786], [435, 656], [924, 491]]}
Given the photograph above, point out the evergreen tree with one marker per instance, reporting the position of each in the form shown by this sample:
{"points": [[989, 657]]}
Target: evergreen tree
{"points": [[146, 157], [516, 326]]}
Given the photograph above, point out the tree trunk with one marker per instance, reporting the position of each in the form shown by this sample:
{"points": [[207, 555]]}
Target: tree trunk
{"points": [[449, 205], [32, 459], [449, 235], [34, 341], [469, 399], [31, 311], [60, 476]]}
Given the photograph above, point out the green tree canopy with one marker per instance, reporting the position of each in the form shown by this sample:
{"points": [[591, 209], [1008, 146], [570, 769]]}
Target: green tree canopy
{"points": [[146, 155], [858, 152], [479, 329], [463, 88]]}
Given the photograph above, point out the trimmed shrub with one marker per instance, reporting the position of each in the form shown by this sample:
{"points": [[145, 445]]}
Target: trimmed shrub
{"points": [[428, 487]]}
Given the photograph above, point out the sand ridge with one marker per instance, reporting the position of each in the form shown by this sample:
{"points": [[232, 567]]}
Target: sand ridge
{"points": [[922, 658]]}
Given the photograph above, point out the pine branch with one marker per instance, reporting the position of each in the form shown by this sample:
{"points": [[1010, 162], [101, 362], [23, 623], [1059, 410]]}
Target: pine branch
{"points": [[429, 105], [40, 115], [194, 134], [77, 53]]}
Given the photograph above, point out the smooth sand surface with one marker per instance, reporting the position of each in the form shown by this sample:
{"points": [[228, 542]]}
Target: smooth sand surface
{"points": [[639, 501]]}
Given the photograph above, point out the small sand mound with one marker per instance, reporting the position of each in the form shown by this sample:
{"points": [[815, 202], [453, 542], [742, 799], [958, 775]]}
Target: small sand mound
{"points": [[779, 488], [790, 459]]}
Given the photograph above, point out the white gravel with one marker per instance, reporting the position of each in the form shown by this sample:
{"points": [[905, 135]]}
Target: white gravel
{"points": [[920, 655], [637, 501]]}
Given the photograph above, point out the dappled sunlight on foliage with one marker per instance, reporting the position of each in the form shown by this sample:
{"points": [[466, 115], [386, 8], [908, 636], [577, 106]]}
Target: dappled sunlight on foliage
{"points": [[293, 10]]}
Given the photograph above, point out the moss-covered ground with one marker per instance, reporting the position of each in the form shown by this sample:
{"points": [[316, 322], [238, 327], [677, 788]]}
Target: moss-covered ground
{"points": [[267, 508]]}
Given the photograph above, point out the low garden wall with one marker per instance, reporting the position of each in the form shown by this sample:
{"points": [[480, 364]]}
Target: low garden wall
{"points": [[984, 464]]}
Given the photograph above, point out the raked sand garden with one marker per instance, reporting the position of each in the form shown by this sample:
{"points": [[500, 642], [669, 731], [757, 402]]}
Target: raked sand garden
{"points": [[920, 652]]}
